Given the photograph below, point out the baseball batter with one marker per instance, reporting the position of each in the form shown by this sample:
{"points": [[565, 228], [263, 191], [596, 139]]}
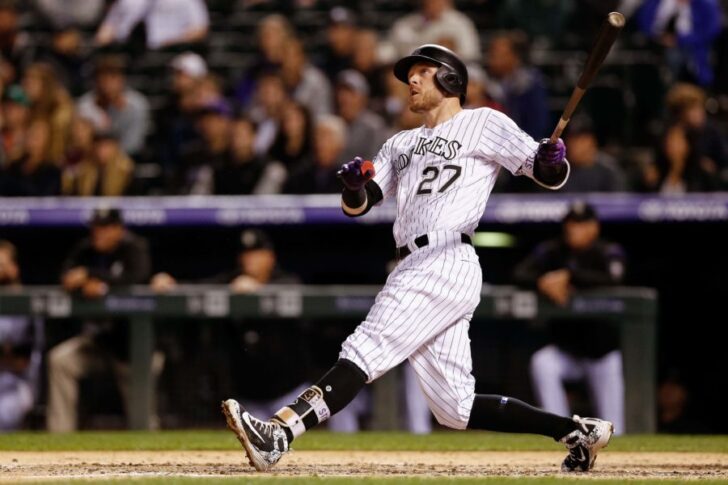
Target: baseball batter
{"points": [[441, 175]]}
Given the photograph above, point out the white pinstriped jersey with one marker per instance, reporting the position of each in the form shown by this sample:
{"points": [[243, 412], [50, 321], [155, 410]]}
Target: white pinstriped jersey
{"points": [[442, 176]]}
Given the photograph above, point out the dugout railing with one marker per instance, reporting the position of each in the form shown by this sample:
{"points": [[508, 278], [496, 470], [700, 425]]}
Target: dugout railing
{"points": [[635, 309]]}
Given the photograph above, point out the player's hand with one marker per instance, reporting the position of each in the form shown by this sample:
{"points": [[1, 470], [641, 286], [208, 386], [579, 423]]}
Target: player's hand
{"points": [[551, 153], [75, 278], [162, 283], [556, 286], [95, 288], [356, 173], [244, 284]]}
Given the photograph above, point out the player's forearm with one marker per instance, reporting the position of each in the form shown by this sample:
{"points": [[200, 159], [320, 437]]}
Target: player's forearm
{"points": [[356, 203]]}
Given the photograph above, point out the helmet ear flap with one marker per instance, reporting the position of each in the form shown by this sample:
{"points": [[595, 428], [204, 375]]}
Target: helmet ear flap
{"points": [[449, 80]]}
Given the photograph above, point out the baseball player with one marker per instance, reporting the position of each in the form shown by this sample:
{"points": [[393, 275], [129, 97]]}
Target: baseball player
{"points": [[441, 175]]}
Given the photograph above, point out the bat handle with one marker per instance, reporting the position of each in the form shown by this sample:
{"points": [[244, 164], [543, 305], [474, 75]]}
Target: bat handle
{"points": [[576, 96], [558, 130]]}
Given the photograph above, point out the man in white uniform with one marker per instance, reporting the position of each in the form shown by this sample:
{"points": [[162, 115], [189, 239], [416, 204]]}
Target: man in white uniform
{"points": [[441, 175]]}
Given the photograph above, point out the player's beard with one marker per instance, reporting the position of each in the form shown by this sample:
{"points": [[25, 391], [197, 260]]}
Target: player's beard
{"points": [[425, 101]]}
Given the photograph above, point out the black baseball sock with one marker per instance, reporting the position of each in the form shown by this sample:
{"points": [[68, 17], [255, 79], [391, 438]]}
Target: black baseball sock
{"points": [[500, 413], [319, 402]]}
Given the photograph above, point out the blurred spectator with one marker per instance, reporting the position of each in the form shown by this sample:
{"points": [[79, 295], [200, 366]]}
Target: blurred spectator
{"points": [[338, 53], [255, 341], [524, 93], [366, 131], [80, 142], [167, 22], [115, 107], [365, 60], [592, 170], [685, 29], [482, 92], [111, 257], [49, 101], [686, 106], [64, 14], [210, 152], [318, 176], [68, 58], [107, 171], [294, 141], [587, 17], [244, 172], [34, 174], [580, 348], [267, 111], [16, 50], [437, 22], [21, 345], [274, 31], [540, 18], [306, 83], [679, 168], [15, 118], [675, 413], [175, 121]]}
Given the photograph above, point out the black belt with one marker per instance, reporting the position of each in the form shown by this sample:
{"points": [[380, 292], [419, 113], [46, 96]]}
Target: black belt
{"points": [[422, 241]]}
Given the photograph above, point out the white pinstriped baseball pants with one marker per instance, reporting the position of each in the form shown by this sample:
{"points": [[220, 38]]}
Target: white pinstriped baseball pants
{"points": [[423, 314]]}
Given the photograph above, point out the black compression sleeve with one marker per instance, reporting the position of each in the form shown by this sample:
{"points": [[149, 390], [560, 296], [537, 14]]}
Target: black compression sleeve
{"points": [[354, 199]]}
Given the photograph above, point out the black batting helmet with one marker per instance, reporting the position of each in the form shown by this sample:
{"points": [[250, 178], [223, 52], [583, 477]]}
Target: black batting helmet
{"points": [[452, 75]]}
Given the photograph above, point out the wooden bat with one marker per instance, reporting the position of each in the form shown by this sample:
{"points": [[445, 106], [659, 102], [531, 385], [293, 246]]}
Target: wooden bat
{"points": [[607, 35]]}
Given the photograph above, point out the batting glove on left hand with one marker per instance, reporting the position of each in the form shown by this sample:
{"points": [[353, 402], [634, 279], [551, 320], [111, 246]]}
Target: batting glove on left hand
{"points": [[356, 173], [550, 153]]}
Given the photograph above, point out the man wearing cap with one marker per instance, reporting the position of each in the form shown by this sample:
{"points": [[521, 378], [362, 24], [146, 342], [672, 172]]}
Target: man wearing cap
{"points": [[110, 257], [341, 42], [366, 130], [579, 349], [113, 106]]}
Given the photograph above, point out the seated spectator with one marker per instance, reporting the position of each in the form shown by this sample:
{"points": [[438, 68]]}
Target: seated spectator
{"points": [[679, 168], [482, 91], [540, 18], [49, 101], [686, 31], [686, 107], [15, 118], [115, 107], [592, 170], [366, 131], [190, 88], [583, 348], [68, 59], [306, 83], [108, 171], [318, 176], [338, 52], [62, 14], [274, 31], [245, 172], [524, 93], [34, 174], [267, 110], [111, 257], [21, 344], [365, 60], [167, 22], [294, 141], [211, 152], [16, 48], [437, 21], [80, 143]]}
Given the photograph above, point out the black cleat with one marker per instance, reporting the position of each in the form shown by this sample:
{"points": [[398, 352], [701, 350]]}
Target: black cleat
{"points": [[584, 443]]}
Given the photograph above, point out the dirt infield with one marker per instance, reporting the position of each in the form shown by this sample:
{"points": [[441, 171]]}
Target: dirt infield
{"points": [[24, 466]]}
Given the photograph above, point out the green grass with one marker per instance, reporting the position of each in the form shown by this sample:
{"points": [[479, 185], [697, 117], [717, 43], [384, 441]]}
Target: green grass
{"points": [[451, 441]]}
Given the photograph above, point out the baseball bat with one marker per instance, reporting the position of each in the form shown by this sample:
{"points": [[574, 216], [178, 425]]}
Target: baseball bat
{"points": [[603, 43]]}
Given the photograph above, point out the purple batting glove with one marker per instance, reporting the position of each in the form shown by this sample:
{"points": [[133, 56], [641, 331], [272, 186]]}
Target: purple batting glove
{"points": [[356, 173], [551, 153]]}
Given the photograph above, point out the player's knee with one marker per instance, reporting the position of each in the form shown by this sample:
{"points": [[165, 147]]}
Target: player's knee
{"points": [[455, 414]]}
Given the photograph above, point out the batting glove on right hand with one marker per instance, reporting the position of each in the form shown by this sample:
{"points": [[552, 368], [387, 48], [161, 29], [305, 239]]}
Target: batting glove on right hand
{"points": [[356, 173]]}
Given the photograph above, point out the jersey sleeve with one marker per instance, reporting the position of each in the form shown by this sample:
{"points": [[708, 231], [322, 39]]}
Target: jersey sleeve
{"points": [[385, 174], [504, 143]]}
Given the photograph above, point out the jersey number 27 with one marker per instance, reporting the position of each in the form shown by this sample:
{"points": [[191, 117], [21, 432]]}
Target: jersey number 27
{"points": [[431, 174]]}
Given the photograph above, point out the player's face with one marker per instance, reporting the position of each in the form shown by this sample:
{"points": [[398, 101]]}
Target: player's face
{"points": [[581, 235], [424, 93]]}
